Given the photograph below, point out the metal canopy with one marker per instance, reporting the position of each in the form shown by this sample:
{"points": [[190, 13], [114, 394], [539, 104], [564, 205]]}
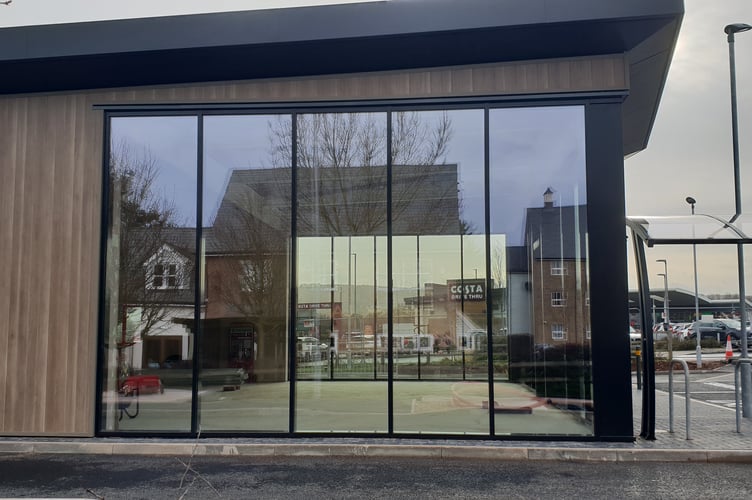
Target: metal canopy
{"points": [[695, 229]]}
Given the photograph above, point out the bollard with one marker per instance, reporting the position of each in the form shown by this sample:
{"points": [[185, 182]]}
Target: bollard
{"points": [[671, 394], [737, 390]]}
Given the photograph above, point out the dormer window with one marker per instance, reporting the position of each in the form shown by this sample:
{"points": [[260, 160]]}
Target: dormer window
{"points": [[165, 276], [165, 270]]}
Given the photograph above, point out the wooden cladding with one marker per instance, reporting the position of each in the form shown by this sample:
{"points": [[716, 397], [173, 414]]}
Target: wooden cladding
{"points": [[519, 78], [50, 155], [50, 201]]}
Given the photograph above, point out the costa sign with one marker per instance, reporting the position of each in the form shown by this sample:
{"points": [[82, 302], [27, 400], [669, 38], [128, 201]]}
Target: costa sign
{"points": [[466, 290]]}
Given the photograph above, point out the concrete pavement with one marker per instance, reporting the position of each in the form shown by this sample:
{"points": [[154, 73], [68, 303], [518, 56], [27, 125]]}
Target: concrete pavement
{"points": [[713, 433]]}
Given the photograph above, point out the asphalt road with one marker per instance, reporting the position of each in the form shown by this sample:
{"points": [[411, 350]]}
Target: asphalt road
{"points": [[714, 388], [87, 476]]}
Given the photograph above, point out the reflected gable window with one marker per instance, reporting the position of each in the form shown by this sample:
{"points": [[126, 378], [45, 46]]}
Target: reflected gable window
{"points": [[165, 270], [558, 268], [558, 332], [165, 276]]}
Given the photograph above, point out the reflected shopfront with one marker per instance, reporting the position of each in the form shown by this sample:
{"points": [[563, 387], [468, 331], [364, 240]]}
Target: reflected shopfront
{"points": [[379, 272]]}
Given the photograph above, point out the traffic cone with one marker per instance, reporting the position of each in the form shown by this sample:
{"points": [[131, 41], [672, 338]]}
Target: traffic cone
{"points": [[729, 352]]}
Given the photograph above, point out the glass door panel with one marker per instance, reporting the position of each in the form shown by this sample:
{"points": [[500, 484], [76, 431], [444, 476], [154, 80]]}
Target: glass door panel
{"points": [[341, 267], [539, 228], [439, 273], [247, 224], [150, 285]]}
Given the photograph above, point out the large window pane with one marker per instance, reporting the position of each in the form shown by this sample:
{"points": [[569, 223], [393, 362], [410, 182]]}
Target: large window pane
{"points": [[247, 214], [149, 296], [341, 264], [539, 240], [439, 272]]}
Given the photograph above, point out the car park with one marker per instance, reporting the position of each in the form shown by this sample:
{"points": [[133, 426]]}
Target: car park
{"points": [[681, 330], [311, 349]]}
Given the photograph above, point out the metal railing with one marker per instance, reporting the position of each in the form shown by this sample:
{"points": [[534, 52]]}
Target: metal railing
{"points": [[671, 394], [638, 369], [737, 390]]}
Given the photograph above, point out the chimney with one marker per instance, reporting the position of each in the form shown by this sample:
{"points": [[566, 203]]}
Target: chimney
{"points": [[548, 198]]}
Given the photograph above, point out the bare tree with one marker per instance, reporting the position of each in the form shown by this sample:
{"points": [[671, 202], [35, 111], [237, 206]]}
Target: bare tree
{"points": [[153, 268], [342, 176], [247, 264]]}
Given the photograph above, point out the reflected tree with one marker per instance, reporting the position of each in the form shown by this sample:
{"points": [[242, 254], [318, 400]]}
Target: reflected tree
{"points": [[247, 261], [342, 176], [155, 256]]}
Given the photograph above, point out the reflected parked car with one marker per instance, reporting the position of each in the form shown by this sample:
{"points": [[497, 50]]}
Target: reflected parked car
{"points": [[312, 349], [718, 329], [634, 335], [660, 333]]}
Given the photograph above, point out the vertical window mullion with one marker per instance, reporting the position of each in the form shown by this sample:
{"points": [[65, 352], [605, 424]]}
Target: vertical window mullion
{"points": [[291, 351], [489, 298], [390, 294], [197, 274]]}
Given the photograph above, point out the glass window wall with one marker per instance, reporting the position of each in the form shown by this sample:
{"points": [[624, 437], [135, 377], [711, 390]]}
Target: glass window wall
{"points": [[298, 325], [439, 269], [245, 253], [538, 218], [150, 292], [341, 262]]}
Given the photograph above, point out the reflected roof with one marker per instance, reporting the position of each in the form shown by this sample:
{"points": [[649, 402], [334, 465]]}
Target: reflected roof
{"points": [[688, 229]]}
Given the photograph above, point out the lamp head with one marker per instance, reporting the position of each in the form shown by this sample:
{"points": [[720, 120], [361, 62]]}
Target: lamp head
{"points": [[690, 200], [736, 28], [732, 29]]}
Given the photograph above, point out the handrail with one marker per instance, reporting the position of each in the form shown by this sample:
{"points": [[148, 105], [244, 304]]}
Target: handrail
{"points": [[671, 394], [737, 379]]}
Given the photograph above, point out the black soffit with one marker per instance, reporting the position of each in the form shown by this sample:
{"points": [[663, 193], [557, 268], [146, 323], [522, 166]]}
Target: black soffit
{"points": [[320, 57], [345, 38]]}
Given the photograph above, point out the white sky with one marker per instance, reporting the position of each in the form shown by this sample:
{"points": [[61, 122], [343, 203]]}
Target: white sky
{"points": [[690, 154], [30, 12], [690, 149]]}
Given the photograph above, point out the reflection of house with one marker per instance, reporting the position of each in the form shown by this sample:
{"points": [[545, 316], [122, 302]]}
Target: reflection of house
{"points": [[157, 290], [556, 238], [247, 245], [352, 201], [246, 269]]}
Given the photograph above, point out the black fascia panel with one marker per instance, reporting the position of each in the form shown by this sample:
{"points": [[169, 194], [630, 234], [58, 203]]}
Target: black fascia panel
{"points": [[321, 57], [308, 24]]}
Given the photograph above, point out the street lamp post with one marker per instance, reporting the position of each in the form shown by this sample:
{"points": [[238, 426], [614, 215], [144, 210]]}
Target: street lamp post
{"points": [[666, 322], [731, 30], [698, 349]]}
